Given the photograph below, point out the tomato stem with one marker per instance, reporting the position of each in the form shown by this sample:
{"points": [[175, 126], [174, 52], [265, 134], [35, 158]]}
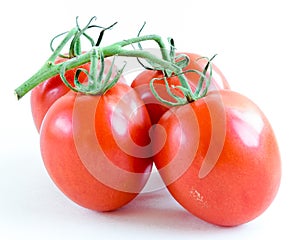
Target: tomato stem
{"points": [[184, 85], [50, 69]]}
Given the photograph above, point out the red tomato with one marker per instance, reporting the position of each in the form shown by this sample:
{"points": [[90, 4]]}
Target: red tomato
{"points": [[220, 159], [155, 108], [96, 148], [47, 92]]}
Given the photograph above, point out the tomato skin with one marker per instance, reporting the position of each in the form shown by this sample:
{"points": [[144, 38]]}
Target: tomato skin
{"points": [[67, 140], [155, 108], [47, 92], [244, 180]]}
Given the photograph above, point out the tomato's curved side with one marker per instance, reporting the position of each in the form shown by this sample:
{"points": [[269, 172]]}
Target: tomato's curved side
{"points": [[241, 178], [70, 149]]}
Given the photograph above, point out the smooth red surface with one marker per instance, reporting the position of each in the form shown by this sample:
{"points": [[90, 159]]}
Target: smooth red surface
{"points": [[86, 142], [240, 177]]}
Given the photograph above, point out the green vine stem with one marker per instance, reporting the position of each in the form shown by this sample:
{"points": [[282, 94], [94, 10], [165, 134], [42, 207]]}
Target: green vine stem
{"points": [[50, 69], [167, 63]]}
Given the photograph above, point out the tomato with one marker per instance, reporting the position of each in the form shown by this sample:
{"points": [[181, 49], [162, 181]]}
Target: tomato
{"points": [[96, 148], [47, 92], [220, 159], [155, 108]]}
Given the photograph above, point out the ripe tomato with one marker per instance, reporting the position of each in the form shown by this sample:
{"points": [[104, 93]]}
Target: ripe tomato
{"points": [[155, 108], [220, 159], [96, 148], [47, 92]]}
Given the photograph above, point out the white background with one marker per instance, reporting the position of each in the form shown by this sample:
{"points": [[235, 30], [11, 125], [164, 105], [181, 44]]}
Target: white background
{"points": [[258, 49]]}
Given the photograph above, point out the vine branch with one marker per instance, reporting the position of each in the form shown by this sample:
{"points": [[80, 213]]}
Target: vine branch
{"points": [[168, 63]]}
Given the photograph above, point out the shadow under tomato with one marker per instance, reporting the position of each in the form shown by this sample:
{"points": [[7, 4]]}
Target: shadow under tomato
{"points": [[159, 210]]}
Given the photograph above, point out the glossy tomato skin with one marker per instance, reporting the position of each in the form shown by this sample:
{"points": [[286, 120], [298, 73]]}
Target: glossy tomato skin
{"points": [[47, 92], [81, 145], [155, 108], [225, 177]]}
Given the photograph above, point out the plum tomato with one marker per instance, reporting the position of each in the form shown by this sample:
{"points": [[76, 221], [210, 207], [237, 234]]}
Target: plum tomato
{"points": [[220, 159], [96, 148]]}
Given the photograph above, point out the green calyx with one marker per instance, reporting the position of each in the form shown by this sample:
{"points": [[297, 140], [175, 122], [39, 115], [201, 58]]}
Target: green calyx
{"points": [[181, 61], [189, 95], [98, 82]]}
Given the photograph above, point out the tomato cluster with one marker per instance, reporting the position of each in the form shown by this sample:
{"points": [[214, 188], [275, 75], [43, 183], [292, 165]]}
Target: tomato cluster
{"points": [[217, 155]]}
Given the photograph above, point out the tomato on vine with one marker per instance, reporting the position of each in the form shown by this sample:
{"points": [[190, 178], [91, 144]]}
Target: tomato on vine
{"points": [[196, 64], [220, 159], [94, 139], [214, 148], [90, 145]]}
